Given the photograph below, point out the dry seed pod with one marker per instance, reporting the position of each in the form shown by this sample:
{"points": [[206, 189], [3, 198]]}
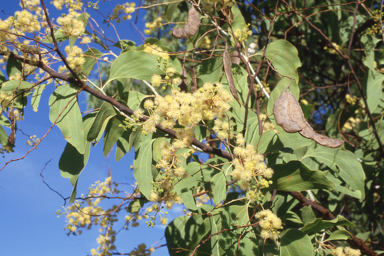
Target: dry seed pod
{"points": [[228, 73], [289, 115], [190, 28]]}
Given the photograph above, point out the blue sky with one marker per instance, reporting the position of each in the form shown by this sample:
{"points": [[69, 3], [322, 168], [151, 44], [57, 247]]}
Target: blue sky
{"points": [[28, 220]]}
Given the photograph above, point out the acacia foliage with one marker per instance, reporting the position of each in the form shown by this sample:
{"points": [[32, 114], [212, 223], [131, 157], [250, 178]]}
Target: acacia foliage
{"points": [[181, 110]]}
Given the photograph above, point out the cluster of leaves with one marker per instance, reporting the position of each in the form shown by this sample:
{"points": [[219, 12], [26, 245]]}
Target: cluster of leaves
{"points": [[253, 170]]}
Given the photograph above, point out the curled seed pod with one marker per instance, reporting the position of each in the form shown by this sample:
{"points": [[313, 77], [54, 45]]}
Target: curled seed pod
{"points": [[289, 115], [228, 73], [190, 28]]}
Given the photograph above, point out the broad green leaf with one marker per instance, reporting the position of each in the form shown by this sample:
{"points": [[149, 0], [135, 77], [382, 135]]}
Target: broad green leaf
{"points": [[71, 162], [176, 235], [219, 189], [125, 45], [105, 113], [91, 56], [319, 224], [59, 36], [156, 149], [307, 214], [135, 64], [122, 146], [15, 84], [284, 57], [188, 200], [65, 113], [36, 96], [295, 242], [112, 134], [369, 42], [134, 139], [135, 205], [372, 84], [2, 77], [239, 214], [210, 70], [13, 67], [339, 235], [295, 176], [348, 168], [269, 142], [215, 238], [238, 22], [143, 168], [3, 136], [134, 99]]}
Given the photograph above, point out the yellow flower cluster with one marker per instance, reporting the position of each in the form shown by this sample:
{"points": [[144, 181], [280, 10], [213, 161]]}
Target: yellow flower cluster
{"points": [[347, 252], [33, 140], [242, 34], [120, 9], [206, 43], [211, 5], [151, 26], [73, 5], [332, 50], [248, 165], [32, 5], [267, 125], [26, 21], [70, 25], [350, 99], [350, 124], [85, 214], [142, 251], [156, 50], [269, 223], [265, 85], [75, 57]]}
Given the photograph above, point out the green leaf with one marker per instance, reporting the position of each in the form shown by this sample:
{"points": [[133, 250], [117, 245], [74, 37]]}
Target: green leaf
{"points": [[372, 85], [71, 162], [126, 45], [122, 146], [105, 113], [59, 36], [339, 235], [307, 214], [175, 233], [219, 188], [135, 205], [134, 99], [188, 200], [12, 85], [66, 113], [215, 238], [295, 242], [36, 97], [91, 56], [369, 42], [134, 139], [143, 167], [284, 57], [2, 77], [113, 132], [239, 214], [135, 64], [156, 149], [210, 70], [13, 67], [238, 21], [348, 168], [319, 224], [295, 176], [3, 136]]}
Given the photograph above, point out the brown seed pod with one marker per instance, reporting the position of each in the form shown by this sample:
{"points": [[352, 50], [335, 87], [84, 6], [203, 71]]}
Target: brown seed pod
{"points": [[229, 74], [289, 115], [190, 28]]}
